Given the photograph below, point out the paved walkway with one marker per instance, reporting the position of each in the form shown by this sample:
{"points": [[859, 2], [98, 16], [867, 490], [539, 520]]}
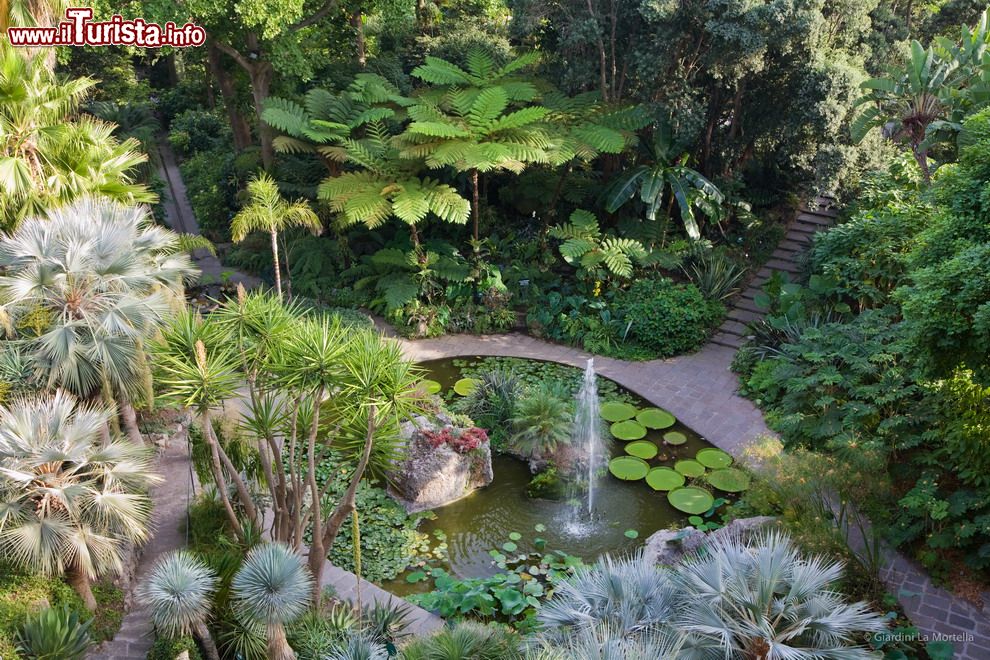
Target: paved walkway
{"points": [[170, 498]]}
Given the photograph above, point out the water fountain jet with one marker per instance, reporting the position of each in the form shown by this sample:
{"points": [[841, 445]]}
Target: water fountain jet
{"points": [[588, 431]]}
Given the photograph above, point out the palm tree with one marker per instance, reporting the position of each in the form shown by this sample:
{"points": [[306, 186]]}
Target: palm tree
{"points": [[272, 588], [267, 211], [630, 597], [49, 157], [466, 640], [542, 420], [471, 122], [178, 593], [103, 278], [69, 503], [663, 167], [605, 642], [762, 600]]}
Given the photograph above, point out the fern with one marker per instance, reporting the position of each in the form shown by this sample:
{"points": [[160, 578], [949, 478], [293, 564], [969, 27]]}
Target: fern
{"points": [[585, 247]]}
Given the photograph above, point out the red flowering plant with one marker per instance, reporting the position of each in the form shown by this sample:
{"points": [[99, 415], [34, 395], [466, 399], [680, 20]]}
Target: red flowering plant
{"points": [[466, 441]]}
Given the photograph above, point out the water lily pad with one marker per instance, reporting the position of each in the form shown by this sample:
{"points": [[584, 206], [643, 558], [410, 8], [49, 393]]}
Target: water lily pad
{"points": [[664, 478], [689, 468], [631, 534], [628, 430], [617, 411], [731, 480], [430, 386], [628, 468], [642, 448], [466, 385], [674, 438], [714, 458], [514, 536], [690, 499], [655, 418]]}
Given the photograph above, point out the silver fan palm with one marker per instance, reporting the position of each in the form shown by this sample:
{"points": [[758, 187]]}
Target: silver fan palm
{"points": [[763, 600], [96, 279], [67, 502], [273, 588], [178, 593]]}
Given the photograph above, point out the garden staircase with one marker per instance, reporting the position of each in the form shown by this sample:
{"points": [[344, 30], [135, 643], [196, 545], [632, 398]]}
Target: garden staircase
{"points": [[786, 258]]}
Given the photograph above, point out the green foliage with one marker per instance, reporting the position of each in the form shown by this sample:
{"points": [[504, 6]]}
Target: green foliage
{"points": [[389, 540], [195, 131], [596, 256], [168, 649], [542, 420], [54, 634], [843, 385], [716, 276], [212, 188], [493, 403], [466, 641], [668, 318], [23, 594]]}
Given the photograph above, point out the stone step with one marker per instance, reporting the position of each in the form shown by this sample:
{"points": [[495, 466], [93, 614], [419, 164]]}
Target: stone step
{"points": [[799, 245], [786, 255], [747, 303], [729, 341], [786, 266], [816, 219], [744, 315], [734, 328], [801, 228]]}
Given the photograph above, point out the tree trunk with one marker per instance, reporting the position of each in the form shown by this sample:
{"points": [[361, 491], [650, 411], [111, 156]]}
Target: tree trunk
{"points": [[218, 476], [357, 22], [278, 645], [80, 582], [206, 640], [475, 201], [129, 415], [921, 156], [239, 125], [261, 82], [278, 268]]}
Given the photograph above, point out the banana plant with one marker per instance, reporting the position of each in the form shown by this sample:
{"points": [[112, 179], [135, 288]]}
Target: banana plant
{"points": [[664, 175]]}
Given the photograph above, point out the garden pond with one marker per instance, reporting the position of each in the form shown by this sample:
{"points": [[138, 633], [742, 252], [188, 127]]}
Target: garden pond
{"points": [[503, 518]]}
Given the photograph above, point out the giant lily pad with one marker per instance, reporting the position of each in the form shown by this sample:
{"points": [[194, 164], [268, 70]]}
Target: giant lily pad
{"points": [[466, 385], [642, 449], [674, 438], [430, 386], [628, 430], [689, 468], [617, 411], [628, 468], [714, 458], [664, 478], [655, 418], [690, 499], [730, 480]]}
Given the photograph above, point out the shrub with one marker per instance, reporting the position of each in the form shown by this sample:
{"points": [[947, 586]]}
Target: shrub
{"points": [[169, 649], [668, 318], [543, 419], [195, 131], [23, 593], [54, 634], [209, 180]]}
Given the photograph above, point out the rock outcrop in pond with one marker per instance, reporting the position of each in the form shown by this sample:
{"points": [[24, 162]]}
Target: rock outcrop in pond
{"points": [[442, 463]]}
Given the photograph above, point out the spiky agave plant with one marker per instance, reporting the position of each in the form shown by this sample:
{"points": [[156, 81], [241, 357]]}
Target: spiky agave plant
{"points": [[631, 597], [466, 640], [273, 588], [761, 599], [68, 502], [178, 593]]}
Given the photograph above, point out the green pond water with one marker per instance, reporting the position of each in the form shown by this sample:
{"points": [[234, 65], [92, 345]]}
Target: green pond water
{"points": [[484, 520]]}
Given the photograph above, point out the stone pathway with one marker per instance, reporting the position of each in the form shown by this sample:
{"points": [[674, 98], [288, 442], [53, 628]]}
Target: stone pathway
{"points": [[786, 259], [170, 498], [180, 217], [700, 390]]}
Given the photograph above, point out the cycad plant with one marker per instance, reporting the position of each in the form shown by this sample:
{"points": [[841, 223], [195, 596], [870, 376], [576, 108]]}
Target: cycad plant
{"points": [[596, 255], [272, 588], [542, 420], [69, 502], [476, 121], [98, 280], [761, 599], [51, 158], [177, 593], [267, 211]]}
